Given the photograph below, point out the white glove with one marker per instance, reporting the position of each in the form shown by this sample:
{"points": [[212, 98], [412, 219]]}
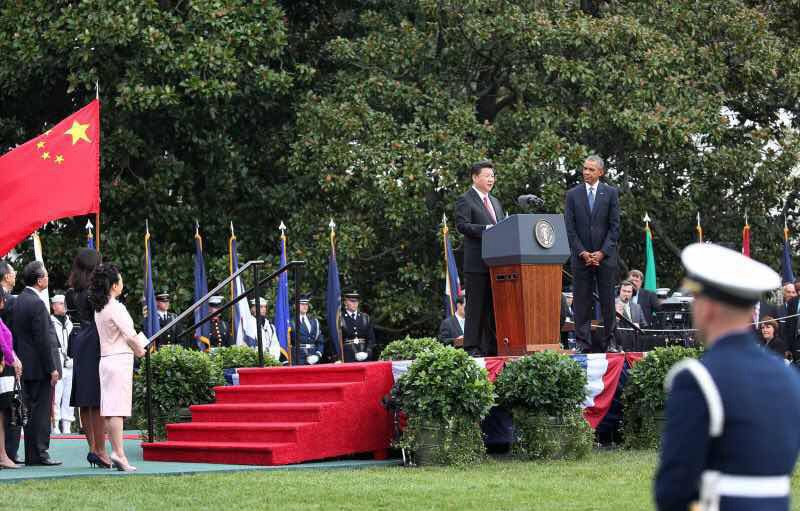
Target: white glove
{"points": [[312, 359], [361, 356]]}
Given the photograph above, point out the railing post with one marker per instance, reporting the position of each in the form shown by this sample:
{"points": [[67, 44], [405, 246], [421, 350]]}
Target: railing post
{"points": [[296, 273], [149, 392], [257, 293]]}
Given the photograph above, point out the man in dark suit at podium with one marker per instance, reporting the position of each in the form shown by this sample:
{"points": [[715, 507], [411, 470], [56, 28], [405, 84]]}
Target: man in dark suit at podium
{"points": [[477, 211], [591, 215]]}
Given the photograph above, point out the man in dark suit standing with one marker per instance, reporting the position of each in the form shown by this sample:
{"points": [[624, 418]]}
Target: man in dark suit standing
{"points": [[646, 299], [477, 211], [34, 338], [451, 330], [591, 214]]}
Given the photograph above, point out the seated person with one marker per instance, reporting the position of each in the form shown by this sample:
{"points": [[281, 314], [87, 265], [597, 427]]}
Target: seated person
{"points": [[451, 330]]}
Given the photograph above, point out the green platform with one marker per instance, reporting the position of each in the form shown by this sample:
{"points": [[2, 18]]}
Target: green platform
{"points": [[73, 453]]}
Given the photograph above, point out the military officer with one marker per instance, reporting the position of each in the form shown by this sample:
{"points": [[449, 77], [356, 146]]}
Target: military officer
{"points": [[731, 438], [358, 337], [164, 318], [220, 334], [269, 336], [311, 341]]}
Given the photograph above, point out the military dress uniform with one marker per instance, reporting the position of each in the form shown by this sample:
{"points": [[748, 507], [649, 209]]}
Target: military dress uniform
{"points": [[219, 335], [731, 438], [358, 336], [311, 341]]}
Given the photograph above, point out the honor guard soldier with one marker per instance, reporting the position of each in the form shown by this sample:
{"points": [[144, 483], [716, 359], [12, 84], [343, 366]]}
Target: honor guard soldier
{"points": [[220, 334], [357, 333], [310, 340], [269, 337], [164, 318], [731, 438]]}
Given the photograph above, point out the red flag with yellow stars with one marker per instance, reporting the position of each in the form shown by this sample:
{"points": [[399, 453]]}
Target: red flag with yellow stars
{"points": [[55, 175]]}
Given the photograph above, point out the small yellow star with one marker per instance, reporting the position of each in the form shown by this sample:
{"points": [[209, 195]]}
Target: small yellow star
{"points": [[45, 155], [59, 159], [39, 144], [78, 132]]}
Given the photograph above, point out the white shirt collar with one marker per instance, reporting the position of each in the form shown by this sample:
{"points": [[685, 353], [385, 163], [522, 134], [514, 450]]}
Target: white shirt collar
{"points": [[592, 187], [480, 193]]}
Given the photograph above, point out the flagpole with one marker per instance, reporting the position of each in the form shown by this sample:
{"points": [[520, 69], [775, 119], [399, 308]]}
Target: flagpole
{"points": [[289, 347], [445, 231], [332, 225]]}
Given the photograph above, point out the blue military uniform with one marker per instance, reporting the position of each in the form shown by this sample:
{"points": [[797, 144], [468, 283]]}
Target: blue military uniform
{"points": [[311, 341], [732, 434]]}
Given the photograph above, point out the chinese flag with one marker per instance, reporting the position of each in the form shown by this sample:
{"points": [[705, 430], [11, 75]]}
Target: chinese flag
{"points": [[55, 175]]}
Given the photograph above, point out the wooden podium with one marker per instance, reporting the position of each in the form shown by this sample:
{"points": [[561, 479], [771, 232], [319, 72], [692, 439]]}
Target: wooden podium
{"points": [[525, 254]]}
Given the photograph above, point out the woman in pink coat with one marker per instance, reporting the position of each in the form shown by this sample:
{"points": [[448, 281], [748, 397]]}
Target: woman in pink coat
{"points": [[118, 345], [11, 372]]}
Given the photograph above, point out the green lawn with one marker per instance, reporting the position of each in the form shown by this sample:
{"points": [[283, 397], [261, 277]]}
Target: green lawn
{"points": [[618, 480]]}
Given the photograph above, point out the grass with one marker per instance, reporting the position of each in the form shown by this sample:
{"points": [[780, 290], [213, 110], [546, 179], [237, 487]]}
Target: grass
{"points": [[618, 480]]}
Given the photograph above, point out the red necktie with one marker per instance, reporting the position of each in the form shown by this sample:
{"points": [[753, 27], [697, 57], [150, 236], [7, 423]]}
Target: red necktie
{"points": [[489, 209]]}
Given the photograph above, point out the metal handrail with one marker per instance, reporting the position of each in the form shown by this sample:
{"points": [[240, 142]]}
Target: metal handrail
{"points": [[234, 301], [296, 266]]}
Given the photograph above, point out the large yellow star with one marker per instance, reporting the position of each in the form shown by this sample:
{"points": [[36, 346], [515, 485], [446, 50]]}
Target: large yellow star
{"points": [[78, 132]]}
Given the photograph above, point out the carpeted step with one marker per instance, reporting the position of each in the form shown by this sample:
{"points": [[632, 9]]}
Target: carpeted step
{"points": [[258, 412], [294, 393], [326, 373], [244, 453], [235, 432]]}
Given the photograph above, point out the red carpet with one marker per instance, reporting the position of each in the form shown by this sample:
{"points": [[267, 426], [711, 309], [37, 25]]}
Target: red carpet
{"points": [[283, 415]]}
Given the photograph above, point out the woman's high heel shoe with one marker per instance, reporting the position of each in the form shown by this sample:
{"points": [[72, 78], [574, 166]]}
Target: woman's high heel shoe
{"points": [[119, 465], [96, 461]]}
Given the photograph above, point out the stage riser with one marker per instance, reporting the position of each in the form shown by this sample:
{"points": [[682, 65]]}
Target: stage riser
{"points": [[281, 423], [266, 394], [233, 432], [223, 415], [306, 374]]}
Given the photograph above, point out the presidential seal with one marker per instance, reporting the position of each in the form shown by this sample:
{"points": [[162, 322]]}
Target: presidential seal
{"points": [[544, 233]]}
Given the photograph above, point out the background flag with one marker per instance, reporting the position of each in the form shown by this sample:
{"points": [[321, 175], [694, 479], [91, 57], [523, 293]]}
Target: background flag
{"points": [[650, 257], [201, 333], [243, 321], [746, 238], [282, 302], [788, 274], [39, 256], [151, 323], [65, 158], [333, 297], [452, 285], [699, 229], [89, 235]]}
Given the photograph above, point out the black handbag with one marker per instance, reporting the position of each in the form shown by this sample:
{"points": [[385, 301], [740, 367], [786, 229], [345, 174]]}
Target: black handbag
{"points": [[19, 412]]}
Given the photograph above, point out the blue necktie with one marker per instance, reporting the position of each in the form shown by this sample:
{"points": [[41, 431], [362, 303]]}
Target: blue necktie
{"points": [[591, 199]]}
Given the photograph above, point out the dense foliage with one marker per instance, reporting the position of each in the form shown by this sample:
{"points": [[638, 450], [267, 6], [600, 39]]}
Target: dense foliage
{"points": [[370, 111], [545, 382], [410, 349], [234, 357], [644, 397], [180, 378]]}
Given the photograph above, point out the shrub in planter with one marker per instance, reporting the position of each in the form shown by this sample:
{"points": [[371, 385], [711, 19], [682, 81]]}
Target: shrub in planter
{"points": [[234, 357], [643, 398], [180, 378], [410, 348], [445, 395], [544, 391]]}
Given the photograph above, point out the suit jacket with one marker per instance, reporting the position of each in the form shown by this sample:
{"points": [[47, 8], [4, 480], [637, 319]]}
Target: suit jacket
{"points": [[648, 301], [449, 329], [34, 336], [637, 316], [471, 220], [598, 230], [789, 328]]}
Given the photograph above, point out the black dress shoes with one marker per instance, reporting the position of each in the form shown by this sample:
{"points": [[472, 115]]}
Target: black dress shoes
{"points": [[46, 462]]}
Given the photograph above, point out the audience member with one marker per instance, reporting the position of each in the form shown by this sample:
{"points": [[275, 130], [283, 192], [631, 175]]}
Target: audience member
{"points": [[11, 372], [451, 330], [770, 336], [646, 299], [83, 347], [119, 343], [34, 338]]}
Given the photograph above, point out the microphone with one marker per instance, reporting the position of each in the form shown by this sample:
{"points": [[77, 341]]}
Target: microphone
{"points": [[529, 200]]}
